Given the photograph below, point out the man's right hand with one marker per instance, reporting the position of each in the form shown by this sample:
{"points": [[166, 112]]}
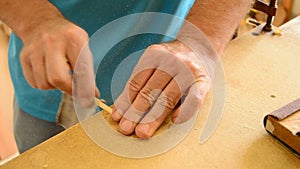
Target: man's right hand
{"points": [[50, 53], [51, 48]]}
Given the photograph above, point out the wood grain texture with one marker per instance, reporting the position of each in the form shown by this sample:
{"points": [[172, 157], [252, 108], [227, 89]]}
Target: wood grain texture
{"points": [[292, 123], [262, 74]]}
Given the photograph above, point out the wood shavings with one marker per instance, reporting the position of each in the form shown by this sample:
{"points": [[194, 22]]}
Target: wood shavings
{"points": [[277, 31]]}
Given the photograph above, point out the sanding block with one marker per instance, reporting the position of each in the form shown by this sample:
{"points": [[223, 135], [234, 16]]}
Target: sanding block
{"points": [[284, 125]]}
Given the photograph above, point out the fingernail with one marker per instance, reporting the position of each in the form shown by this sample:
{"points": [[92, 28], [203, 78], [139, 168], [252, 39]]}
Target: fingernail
{"points": [[174, 118], [144, 128], [127, 126], [177, 120], [116, 115]]}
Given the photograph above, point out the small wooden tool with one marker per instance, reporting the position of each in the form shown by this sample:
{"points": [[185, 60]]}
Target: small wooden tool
{"points": [[102, 105]]}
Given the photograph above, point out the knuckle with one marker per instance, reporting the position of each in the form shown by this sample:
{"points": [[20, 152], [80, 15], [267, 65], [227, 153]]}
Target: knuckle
{"points": [[173, 61], [168, 102], [43, 86], [155, 47], [134, 86], [84, 33], [48, 37], [54, 80], [146, 96], [153, 94], [197, 95], [71, 32], [75, 31], [198, 100], [28, 50], [57, 81]]}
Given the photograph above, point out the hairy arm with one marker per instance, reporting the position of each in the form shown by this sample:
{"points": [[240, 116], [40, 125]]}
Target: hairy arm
{"points": [[25, 16], [218, 19]]}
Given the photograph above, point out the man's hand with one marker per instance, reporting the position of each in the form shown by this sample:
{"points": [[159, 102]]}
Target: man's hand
{"points": [[169, 77], [161, 84], [52, 45], [50, 53]]}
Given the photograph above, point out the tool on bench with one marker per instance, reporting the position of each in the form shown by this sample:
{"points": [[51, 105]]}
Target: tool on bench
{"points": [[284, 125], [270, 9], [101, 104]]}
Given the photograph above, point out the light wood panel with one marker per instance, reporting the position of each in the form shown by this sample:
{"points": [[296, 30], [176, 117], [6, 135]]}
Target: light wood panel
{"points": [[262, 74]]}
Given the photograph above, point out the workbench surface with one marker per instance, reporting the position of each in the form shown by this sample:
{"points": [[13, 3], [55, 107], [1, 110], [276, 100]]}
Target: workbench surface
{"points": [[262, 74]]}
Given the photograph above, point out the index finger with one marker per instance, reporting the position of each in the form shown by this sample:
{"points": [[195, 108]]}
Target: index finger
{"points": [[84, 79], [57, 67]]}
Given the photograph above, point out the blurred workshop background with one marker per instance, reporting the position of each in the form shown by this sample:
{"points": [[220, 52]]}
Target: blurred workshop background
{"points": [[287, 9]]}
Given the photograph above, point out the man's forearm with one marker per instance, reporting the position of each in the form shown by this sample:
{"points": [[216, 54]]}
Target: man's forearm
{"points": [[218, 19], [23, 16]]}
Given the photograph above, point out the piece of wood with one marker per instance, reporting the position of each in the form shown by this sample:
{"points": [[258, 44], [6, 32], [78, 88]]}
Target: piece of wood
{"points": [[262, 74], [102, 105], [284, 125], [293, 124]]}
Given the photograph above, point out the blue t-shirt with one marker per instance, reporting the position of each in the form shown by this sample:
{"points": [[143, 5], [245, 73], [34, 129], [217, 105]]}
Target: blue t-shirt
{"points": [[92, 15]]}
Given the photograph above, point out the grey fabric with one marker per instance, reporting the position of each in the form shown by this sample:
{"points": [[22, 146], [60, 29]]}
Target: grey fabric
{"points": [[66, 114], [30, 131]]}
